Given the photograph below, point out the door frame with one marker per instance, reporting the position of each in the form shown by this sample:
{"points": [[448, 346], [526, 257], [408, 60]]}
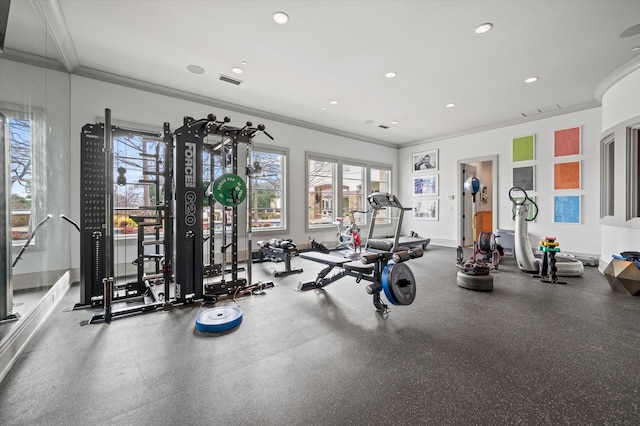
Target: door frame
{"points": [[493, 159]]}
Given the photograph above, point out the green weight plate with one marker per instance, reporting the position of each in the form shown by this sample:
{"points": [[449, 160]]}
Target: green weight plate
{"points": [[229, 189]]}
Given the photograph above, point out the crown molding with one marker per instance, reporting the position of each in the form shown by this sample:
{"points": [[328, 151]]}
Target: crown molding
{"points": [[615, 77]]}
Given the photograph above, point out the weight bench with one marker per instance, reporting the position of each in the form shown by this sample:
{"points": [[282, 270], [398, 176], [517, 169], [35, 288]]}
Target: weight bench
{"points": [[394, 278], [382, 263], [276, 250], [350, 267]]}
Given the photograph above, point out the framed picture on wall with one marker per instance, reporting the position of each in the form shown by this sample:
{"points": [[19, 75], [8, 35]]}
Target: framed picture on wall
{"points": [[425, 185], [566, 209], [524, 148], [566, 175], [425, 161], [524, 177], [566, 142], [425, 208]]}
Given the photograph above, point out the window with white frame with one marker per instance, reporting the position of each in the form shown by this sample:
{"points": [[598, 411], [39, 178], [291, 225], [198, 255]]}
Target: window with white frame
{"points": [[607, 166], [352, 193], [137, 173], [633, 172], [337, 187], [322, 202], [25, 134], [380, 181], [268, 188]]}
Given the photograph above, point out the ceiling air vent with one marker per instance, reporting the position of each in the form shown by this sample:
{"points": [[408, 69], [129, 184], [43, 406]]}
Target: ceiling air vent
{"points": [[228, 79], [549, 108], [382, 126]]}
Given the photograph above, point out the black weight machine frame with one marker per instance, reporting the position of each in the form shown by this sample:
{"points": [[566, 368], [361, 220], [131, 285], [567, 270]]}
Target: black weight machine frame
{"points": [[190, 191], [101, 255], [373, 260], [185, 145], [96, 212]]}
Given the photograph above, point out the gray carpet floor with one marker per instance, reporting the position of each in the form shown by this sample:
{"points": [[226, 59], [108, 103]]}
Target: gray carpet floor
{"points": [[526, 353]]}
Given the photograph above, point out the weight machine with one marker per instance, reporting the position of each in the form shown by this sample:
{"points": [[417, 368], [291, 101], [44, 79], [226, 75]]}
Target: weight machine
{"points": [[381, 263], [229, 190], [97, 214], [182, 211]]}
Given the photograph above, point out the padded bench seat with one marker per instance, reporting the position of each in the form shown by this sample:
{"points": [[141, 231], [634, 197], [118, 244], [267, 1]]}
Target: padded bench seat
{"points": [[359, 267], [339, 262], [327, 259]]}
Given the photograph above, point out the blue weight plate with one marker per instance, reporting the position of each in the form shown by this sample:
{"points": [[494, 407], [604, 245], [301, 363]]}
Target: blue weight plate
{"points": [[386, 284], [399, 284], [219, 319]]}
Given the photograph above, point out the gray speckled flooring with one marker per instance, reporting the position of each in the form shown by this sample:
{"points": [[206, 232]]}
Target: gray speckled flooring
{"points": [[526, 353]]}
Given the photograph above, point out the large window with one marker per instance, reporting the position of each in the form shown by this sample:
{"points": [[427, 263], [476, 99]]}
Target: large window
{"points": [[21, 196], [633, 172], [321, 176], [380, 181], [25, 134], [352, 192], [138, 167], [607, 166], [268, 195], [337, 187]]}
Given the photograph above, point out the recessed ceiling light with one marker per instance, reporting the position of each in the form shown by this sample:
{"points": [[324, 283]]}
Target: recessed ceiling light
{"points": [[394, 122], [333, 102], [237, 70], [244, 62], [450, 105], [531, 80], [391, 74], [281, 18], [483, 28], [196, 69], [635, 49]]}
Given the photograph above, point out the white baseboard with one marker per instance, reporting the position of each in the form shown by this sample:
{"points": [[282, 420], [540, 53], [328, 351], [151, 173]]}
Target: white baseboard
{"points": [[21, 332]]}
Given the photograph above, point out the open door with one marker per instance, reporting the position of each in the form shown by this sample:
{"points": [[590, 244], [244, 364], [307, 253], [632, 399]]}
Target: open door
{"points": [[485, 168], [468, 171]]}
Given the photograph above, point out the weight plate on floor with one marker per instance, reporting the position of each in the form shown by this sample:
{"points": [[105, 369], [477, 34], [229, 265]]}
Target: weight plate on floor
{"points": [[399, 284], [229, 189], [219, 319]]}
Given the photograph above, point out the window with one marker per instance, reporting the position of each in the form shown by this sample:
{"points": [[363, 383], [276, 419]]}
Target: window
{"points": [[20, 135], [380, 181], [337, 187], [633, 172], [137, 188], [211, 170], [352, 191], [268, 195], [321, 175], [607, 165], [25, 135]]}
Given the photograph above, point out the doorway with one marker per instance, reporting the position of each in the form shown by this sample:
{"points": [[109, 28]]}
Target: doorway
{"points": [[485, 168]]}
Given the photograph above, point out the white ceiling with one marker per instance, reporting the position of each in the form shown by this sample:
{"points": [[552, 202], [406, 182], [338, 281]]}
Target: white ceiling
{"points": [[340, 50]]}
